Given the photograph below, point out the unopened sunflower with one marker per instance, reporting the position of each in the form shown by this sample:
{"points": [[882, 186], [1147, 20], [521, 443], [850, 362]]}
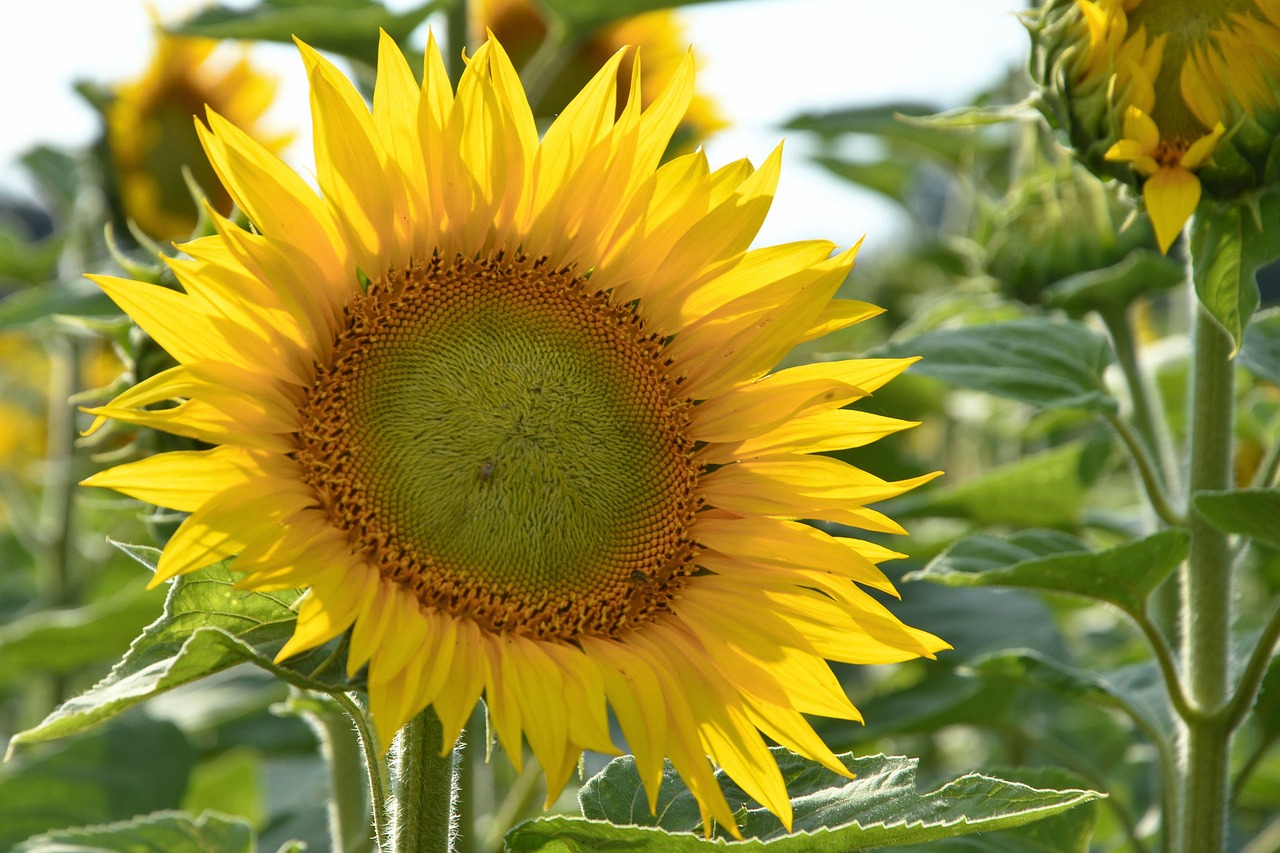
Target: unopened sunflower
{"points": [[1178, 97], [504, 407], [521, 26], [150, 133]]}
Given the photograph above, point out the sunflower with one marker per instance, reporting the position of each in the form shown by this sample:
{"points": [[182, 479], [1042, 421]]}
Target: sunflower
{"points": [[150, 136], [522, 27], [1173, 94], [504, 407]]}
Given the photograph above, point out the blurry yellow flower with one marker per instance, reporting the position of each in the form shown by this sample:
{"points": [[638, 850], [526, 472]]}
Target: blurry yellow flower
{"points": [[24, 381], [1181, 93], [658, 37], [505, 407], [151, 133]]}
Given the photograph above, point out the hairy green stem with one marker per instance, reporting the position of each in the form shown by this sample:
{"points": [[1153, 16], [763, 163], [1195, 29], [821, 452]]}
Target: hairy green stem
{"points": [[1168, 664], [340, 745], [1147, 472], [375, 768], [425, 785], [1148, 417], [1206, 600], [1251, 680]]}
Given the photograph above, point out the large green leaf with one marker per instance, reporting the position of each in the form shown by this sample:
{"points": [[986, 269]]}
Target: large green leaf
{"points": [[1051, 363], [134, 766], [1136, 690], [880, 807], [345, 27], [207, 626], [1251, 512], [65, 641], [582, 16], [888, 177], [1124, 575], [1229, 243], [1115, 287], [1046, 489], [886, 122], [162, 832], [1261, 351], [1065, 832]]}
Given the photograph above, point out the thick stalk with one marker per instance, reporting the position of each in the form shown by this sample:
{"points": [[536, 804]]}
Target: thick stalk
{"points": [[55, 527], [1206, 600], [425, 784]]}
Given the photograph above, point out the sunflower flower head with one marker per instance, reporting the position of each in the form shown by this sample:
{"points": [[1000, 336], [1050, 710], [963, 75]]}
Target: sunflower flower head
{"points": [[659, 36], [506, 408], [1177, 97], [150, 135]]}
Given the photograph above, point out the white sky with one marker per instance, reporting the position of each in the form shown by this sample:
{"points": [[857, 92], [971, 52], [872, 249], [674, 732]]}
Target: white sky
{"points": [[764, 61]]}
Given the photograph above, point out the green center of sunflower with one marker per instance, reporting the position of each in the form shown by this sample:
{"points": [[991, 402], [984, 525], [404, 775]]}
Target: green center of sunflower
{"points": [[508, 444]]}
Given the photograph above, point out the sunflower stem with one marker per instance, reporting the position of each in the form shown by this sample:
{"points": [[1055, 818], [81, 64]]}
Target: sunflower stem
{"points": [[425, 787], [340, 745], [1206, 600], [375, 768], [1147, 416], [56, 525]]}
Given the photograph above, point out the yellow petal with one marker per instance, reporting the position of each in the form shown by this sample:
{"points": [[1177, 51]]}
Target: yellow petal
{"points": [[1202, 149], [1171, 195], [1139, 128], [183, 480]]}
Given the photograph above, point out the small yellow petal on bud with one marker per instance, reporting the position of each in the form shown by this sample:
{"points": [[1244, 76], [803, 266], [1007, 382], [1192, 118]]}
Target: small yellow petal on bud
{"points": [[1139, 127], [1171, 195], [1202, 149]]}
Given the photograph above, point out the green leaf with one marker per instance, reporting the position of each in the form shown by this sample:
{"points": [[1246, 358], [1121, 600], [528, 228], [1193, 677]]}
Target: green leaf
{"points": [[1050, 363], [25, 260], [345, 27], [134, 766], [1229, 243], [1046, 489], [1066, 832], [79, 296], [162, 832], [967, 118], [580, 17], [880, 807], [65, 641], [1124, 575], [229, 782], [58, 173], [1260, 354], [207, 626], [1251, 512], [890, 178], [942, 699], [1136, 690], [1115, 287], [895, 125]]}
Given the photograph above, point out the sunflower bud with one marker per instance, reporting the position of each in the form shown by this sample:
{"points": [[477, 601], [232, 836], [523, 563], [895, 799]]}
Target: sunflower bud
{"points": [[151, 136], [1177, 98], [657, 36]]}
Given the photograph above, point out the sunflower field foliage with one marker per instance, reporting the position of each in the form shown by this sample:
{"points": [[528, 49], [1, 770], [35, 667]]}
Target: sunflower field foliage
{"points": [[481, 481]]}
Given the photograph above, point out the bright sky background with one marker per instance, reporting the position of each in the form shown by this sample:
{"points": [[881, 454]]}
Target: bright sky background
{"points": [[764, 61]]}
